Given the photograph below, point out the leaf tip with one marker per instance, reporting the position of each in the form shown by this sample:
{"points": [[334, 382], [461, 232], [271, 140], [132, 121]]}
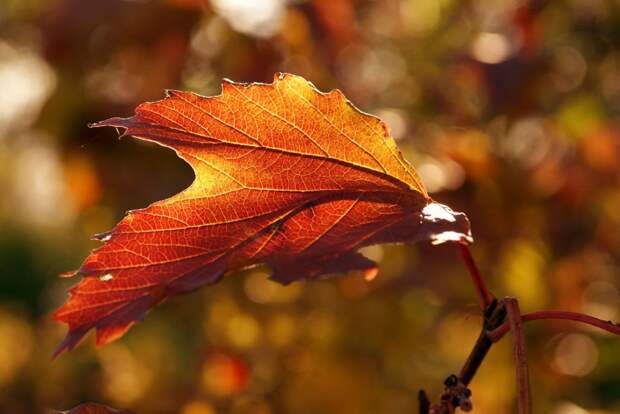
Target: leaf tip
{"points": [[102, 237], [115, 122], [66, 275], [440, 224], [227, 84], [278, 76], [73, 337], [170, 93]]}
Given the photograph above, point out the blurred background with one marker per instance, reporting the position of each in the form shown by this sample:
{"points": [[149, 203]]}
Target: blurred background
{"points": [[508, 109]]}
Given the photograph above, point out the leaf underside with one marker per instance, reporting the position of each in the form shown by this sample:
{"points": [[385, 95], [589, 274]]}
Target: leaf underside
{"points": [[284, 175], [92, 408]]}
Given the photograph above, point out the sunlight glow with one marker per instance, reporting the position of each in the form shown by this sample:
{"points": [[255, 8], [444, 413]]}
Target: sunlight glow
{"points": [[569, 408], [440, 215], [440, 175], [39, 193], [26, 81], [576, 355], [436, 212], [491, 48], [261, 18], [126, 378]]}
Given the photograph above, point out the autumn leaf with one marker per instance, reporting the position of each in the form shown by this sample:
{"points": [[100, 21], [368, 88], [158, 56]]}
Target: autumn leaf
{"points": [[284, 175], [92, 408]]}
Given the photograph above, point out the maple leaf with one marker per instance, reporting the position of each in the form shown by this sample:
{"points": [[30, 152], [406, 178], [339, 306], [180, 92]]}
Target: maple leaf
{"points": [[284, 175]]}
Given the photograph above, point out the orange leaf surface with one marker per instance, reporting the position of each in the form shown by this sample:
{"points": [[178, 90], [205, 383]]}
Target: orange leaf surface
{"points": [[284, 175]]}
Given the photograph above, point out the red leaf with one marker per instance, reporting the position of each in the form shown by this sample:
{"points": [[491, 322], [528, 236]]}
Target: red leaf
{"points": [[285, 175], [92, 408]]}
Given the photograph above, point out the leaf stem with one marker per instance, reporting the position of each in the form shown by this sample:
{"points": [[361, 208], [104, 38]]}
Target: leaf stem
{"points": [[609, 326], [484, 295]]}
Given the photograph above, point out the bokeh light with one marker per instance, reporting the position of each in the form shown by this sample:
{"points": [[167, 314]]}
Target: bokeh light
{"points": [[575, 354]]}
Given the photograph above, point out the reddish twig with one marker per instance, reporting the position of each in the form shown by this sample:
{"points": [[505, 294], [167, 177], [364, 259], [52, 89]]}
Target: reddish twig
{"points": [[494, 315], [499, 318], [518, 342], [484, 295], [456, 394], [609, 326]]}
